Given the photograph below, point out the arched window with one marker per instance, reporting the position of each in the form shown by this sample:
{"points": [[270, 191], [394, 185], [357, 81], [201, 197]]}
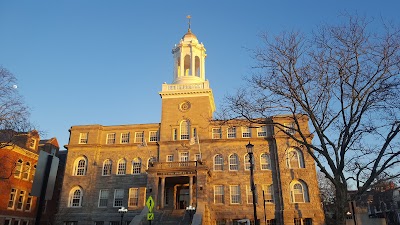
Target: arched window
{"points": [[185, 130], [218, 162], [107, 165], [265, 161], [80, 166], [75, 197], [136, 166], [26, 172], [247, 162], [18, 168], [197, 66], [294, 158], [150, 162], [298, 192], [178, 66], [233, 162], [121, 167], [187, 65]]}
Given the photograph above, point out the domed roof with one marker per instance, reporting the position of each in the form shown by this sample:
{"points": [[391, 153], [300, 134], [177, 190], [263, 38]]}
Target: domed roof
{"points": [[189, 36]]}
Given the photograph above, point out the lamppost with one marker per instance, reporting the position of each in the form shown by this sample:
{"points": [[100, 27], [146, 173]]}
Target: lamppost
{"points": [[190, 209], [122, 211], [249, 148]]}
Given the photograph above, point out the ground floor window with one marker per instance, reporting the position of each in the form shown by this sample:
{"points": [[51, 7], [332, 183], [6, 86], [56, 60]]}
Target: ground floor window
{"points": [[271, 222], [99, 223], [7, 222], [300, 221], [71, 223], [114, 222], [220, 222]]}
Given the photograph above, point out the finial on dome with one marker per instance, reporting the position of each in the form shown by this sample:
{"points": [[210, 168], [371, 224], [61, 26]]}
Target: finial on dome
{"points": [[188, 17]]}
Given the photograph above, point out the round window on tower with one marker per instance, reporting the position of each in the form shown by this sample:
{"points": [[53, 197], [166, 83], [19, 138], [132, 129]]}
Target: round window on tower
{"points": [[184, 106]]}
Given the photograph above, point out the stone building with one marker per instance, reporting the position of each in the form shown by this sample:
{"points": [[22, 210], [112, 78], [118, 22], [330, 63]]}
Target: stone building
{"points": [[188, 159], [18, 160]]}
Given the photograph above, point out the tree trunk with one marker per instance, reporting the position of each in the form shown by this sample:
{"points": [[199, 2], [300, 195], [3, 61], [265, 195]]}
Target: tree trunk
{"points": [[341, 205]]}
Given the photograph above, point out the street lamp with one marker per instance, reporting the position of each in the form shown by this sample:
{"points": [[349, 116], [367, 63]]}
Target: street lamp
{"points": [[191, 210], [122, 211], [249, 148]]}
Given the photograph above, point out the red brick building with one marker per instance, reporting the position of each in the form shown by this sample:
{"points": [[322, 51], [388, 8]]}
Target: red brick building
{"points": [[17, 171]]}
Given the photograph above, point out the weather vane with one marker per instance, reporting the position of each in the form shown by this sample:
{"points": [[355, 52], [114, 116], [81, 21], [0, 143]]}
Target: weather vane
{"points": [[188, 17]]}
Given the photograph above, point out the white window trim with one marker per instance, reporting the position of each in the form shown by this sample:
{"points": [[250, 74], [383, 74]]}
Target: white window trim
{"points": [[246, 132], [229, 133], [83, 139], [231, 194], [110, 140], [108, 194], [237, 162], [115, 195], [216, 133], [263, 163], [118, 167], [13, 199], [124, 136], [151, 135], [132, 192], [223, 195], [261, 130], [214, 163]]}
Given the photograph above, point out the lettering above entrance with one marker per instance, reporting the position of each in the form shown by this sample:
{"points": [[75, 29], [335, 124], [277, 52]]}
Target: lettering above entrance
{"points": [[177, 173]]}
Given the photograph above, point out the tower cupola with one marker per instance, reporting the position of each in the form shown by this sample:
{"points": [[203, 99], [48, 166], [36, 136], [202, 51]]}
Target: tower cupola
{"points": [[189, 59]]}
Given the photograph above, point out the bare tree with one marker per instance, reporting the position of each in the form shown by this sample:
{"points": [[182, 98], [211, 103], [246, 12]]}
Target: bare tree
{"points": [[345, 79], [14, 121]]}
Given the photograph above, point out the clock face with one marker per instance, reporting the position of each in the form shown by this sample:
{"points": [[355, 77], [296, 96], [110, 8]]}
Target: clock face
{"points": [[184, 106]]}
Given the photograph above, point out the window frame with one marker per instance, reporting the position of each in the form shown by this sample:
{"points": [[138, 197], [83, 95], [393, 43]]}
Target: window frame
{"points": [[262, 131], [83, 138], [20, 200], [107, 167], [185, 130], [231, 132], [268, 190], [118, 197], [219, 195], [18, 168], [125, 138], [139, 137], [232, 165], [219, 162], [136, 166], [216, 133], [133, 198], [265, 162], [246, 132], [234, 194], [153, 136], [300, 159], [80, 169], [121, 167], [13, 197], [103, 198], [111, 138], [73, 196], [294, 193]]}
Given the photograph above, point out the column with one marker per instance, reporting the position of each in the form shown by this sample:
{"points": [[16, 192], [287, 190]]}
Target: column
{"points": [[162, 192], [190, 190]]}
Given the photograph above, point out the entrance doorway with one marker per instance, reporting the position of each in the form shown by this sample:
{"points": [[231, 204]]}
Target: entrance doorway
{"points": [[182, 197]]}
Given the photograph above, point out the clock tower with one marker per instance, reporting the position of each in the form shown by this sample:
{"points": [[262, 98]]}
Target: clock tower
{"points": [[187, 103]]}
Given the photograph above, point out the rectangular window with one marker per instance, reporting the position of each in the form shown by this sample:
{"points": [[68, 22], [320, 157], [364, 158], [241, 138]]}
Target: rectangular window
{"points": [[216, 133], [11, 200], [297, 221], [249, 195], [170, 158], [290, 128], [307, 221], [268, 192], [114, 223], [103, 198], [21, 198], [32, 143], [246, 132], [232, 132], [18, 169], [17, 222], [125, 138], [219, 194], [197, 157], [220, 222], [153, 136], [174, 134], [111, 138], [83, 138], [262, 131], [28, 205], [271, 222], [133, 197], [7, 222], [98, 222], [139, 137], [235, 194], [118, 197]]}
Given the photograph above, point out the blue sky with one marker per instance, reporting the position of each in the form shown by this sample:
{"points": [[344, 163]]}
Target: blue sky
{"points": [[103, 62]]}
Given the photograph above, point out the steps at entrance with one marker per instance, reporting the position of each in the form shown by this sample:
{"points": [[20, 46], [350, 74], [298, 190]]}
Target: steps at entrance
{"points": [[171, 217]]}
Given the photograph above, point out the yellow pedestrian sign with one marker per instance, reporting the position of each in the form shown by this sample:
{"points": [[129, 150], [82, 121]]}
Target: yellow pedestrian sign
{"points": [[150, 205], [150, 216]]}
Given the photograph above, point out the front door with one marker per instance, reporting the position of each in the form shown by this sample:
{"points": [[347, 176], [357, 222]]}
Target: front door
{"points": [[182, 197]]}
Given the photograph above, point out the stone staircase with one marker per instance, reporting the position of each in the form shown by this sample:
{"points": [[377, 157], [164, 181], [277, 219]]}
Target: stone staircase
{"points": [[171, 217]]}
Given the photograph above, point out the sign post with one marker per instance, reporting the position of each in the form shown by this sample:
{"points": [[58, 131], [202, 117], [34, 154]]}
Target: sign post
{"points": [[150, 206]]}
